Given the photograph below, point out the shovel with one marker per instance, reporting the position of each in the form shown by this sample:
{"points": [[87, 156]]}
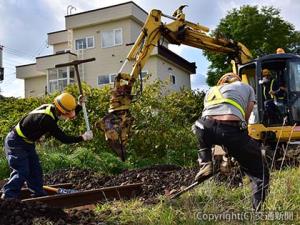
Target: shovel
{"points": [[194, 184]]}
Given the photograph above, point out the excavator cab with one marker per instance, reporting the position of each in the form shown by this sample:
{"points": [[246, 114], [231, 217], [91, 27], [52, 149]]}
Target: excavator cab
{"points": [[276, 115]]}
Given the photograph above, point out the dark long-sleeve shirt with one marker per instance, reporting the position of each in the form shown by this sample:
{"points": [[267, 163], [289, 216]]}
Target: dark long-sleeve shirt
{"points": [[35, 125]]}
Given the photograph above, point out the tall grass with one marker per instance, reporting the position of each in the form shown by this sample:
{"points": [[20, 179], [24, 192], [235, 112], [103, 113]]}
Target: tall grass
{"points": [[79, 157], [211, 197]]}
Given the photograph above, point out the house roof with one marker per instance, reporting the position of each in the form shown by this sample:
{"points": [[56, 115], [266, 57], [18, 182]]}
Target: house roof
{"points": [[93, 10], [165, 52], [56, 31], [59, 53], [31, 64]]}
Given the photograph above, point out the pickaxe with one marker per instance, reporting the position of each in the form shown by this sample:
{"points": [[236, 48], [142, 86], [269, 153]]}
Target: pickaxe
{"points": [[75, 63]]}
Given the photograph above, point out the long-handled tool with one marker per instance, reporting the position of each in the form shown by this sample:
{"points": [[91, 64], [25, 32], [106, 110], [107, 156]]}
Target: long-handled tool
{"points": [[196, 183], [59, 190], [75, 63]]}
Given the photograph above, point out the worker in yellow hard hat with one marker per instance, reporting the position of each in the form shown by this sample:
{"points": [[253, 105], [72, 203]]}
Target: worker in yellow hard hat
{"points": [[227, 108], [20, 143]]}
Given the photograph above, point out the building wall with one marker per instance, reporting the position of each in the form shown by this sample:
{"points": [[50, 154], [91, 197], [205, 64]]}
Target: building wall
{"points": [[135, 30], [35, 86], [60, 47], [44, 63], [26, 71], [108, 60], [165, 68], [103, 15], [58, 37]]}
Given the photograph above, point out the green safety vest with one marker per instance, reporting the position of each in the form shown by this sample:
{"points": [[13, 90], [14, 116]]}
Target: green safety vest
{"points": [[46, 111], [215, 97], [271, 89]]}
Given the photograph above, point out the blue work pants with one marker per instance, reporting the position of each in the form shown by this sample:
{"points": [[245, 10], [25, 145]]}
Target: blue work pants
{"points": [[25, 165]]}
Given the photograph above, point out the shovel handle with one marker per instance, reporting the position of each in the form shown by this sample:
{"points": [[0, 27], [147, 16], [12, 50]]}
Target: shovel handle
{"points": [[47, 188], [85, 115], [86, 119]]}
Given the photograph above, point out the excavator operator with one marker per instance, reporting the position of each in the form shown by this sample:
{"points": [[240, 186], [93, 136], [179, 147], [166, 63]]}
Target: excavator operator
{"points": [[272, 93], [227, 108], [19, 144]]}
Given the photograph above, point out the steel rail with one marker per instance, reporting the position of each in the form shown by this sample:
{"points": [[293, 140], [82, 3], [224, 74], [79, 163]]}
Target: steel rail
{"points": [[26, 193], [89, 197]]}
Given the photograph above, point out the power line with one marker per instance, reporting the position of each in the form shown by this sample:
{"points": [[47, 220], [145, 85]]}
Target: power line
{"points": [[16, 52], [42, 47], [13, 62]]}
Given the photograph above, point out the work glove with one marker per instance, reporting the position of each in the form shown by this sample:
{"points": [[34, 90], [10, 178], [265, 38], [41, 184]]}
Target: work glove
{"points": [[87, 136], [81, 99]]}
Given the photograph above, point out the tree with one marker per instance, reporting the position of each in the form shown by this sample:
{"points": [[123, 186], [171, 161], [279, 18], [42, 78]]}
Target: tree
{"points": [[262, 31]]}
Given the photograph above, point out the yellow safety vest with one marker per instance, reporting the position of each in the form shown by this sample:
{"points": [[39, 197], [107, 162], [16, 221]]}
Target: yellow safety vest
{"points": [[271, 89], [215, 97], [46, 111]]}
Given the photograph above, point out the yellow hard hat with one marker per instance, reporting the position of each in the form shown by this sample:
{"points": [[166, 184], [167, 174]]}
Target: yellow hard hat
{"points": [[280, 50], [266, 73], [65, 103], [228, 78]]}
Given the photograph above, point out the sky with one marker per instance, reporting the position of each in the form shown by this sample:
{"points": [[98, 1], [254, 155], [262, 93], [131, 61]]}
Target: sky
{"points": [[24, 26]]}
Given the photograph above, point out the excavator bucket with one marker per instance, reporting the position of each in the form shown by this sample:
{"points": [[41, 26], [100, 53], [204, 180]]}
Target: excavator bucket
{"points": [[116, 126]]}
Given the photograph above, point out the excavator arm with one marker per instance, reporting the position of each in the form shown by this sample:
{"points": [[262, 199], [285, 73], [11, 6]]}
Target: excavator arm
{"points": [[117, 123]]}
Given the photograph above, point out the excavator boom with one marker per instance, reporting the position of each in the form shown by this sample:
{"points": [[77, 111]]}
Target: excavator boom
{"points": [[117, 123]]}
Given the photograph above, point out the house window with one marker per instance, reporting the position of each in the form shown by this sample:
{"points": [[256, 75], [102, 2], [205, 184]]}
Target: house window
{"points": [[112, 77], [145, 74], [103, 79], [58, 79], [106, 79], [172, 79], [111, 38], [84, 43]]}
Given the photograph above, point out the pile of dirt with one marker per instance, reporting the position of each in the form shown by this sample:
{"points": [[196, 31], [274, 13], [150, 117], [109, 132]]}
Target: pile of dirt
{"points": [[157, 180], [22, 213]]}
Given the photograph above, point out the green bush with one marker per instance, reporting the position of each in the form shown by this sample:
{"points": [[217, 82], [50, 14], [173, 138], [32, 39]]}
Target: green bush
{"points": [[4, 169], [162, 128], [161, 132]]}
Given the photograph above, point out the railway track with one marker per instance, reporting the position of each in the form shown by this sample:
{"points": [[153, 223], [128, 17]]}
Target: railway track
{"points": [[82, 198]]}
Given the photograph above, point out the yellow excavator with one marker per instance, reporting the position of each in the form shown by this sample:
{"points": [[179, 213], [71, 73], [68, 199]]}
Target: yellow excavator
{"points": [[285, 67]]}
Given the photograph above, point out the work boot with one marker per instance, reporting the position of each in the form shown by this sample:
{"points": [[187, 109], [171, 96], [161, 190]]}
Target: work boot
{"points": [[206, 169], [226, 165], [205, 163]]}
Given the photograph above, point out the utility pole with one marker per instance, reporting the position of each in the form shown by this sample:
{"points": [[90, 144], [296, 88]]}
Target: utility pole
{"points": [[1, 64]]}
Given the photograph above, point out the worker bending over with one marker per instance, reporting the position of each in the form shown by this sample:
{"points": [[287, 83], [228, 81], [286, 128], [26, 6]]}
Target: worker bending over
{"points": [[20, 143], [227, 107]]}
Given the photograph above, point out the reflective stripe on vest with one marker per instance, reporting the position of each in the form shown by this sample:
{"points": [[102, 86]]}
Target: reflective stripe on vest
{"points": [[20, 133], [46, 111], [215, 97], [271, 89]]}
